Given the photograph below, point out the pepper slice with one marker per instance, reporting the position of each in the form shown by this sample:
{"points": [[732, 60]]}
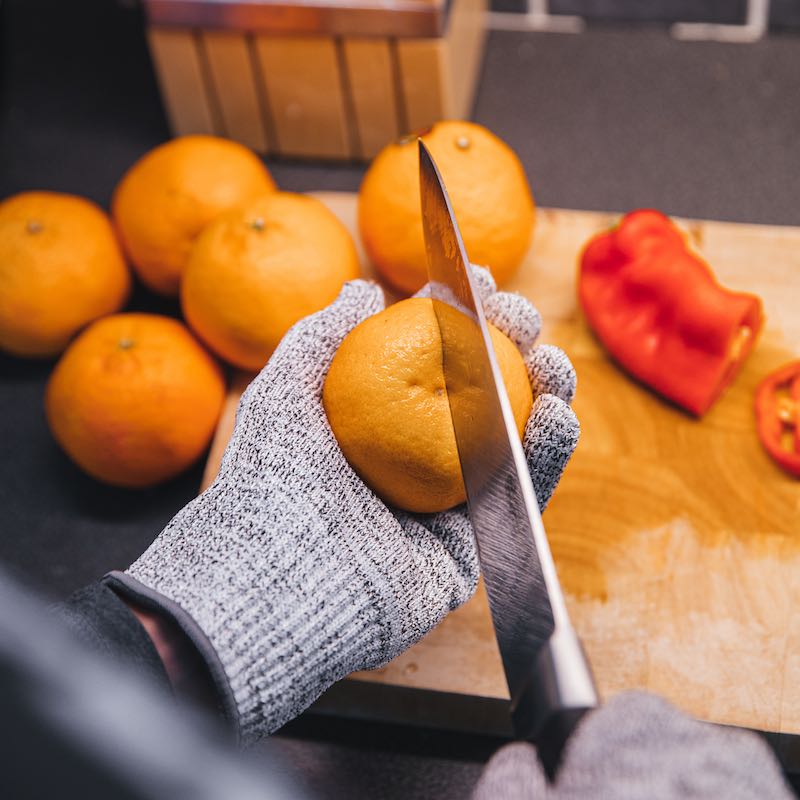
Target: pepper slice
{"points": [[660, 312], [778, 416]]}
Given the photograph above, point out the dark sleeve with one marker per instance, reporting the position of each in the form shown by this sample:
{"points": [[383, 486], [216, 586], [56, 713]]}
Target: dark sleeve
{"points": [[75, 724], [98, 617]]}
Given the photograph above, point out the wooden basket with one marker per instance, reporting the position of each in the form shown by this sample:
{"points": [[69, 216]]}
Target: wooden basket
{"points": [[315, 79]]}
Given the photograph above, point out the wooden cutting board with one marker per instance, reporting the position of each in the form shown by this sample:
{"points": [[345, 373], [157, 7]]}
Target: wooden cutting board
{"points": [[677, 541]]}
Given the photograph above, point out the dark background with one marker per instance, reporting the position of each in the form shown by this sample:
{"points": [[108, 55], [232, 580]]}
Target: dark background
{"points": [[617, 117]]}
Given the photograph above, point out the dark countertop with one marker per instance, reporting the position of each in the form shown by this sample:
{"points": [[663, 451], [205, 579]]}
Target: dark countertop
{"points": [[610, 119]]}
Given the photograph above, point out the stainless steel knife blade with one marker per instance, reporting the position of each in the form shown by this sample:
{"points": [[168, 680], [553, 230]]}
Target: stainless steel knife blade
{"points": [[547, 673]]}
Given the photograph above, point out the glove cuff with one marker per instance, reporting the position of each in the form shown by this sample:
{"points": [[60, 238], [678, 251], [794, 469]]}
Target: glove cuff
{"points": [[273, 645], [127, 587]]}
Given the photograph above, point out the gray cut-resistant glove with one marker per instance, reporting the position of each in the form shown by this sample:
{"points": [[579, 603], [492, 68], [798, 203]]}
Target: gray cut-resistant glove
{"points": [[639, 747], [288, 573]]}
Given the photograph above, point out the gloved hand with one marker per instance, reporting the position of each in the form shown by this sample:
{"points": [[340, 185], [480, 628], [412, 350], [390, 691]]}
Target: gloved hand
{"points": [[639, 746], [288, 573]]}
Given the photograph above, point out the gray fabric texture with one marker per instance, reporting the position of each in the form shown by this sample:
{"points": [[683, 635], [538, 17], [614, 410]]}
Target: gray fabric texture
{"points": [[293, 569], [639, 747]]}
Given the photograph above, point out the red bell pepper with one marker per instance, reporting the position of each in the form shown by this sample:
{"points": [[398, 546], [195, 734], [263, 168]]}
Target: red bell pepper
{"points": [[778, 416], [659, 310]]}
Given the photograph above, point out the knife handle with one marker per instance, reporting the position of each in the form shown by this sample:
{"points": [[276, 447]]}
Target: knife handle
{"points": [[559, 691]]}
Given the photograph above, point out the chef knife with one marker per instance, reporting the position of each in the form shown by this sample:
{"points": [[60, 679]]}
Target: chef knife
{"points": [[549, 679]]}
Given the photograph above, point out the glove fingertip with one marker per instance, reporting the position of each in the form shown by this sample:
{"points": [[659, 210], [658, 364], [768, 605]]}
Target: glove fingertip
{"points": [[484, 281], [484, 284], [551, 436], [360, 294], [516, 317], [551, 372], [425, 291]]}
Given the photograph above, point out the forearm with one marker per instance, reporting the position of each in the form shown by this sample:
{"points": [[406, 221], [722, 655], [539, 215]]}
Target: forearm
{"points": [[186, 670], [149, 641]]}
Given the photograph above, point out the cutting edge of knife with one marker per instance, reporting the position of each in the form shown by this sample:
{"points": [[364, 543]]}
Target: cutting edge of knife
{"points": [[541, 542], [557, 687]]}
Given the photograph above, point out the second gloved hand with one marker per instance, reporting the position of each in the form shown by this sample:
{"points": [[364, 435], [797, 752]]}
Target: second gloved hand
{"points": [[288, 572], [637, 747]]}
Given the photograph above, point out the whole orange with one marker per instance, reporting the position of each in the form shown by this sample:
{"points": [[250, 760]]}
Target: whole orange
{"points": [[388, 407], [60, 268], [490, 194], [170, 194], [257, 270], [135, 399]]}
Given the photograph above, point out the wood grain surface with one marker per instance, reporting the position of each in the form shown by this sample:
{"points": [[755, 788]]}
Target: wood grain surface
{"points": [[233, 83], [677, 541], [181, 78], [316, 80]]}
